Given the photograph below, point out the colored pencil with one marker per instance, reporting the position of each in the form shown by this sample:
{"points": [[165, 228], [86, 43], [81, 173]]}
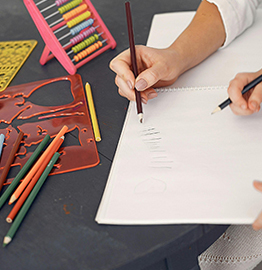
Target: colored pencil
{"points": [[248, 87], [11, 158], [33, 182], [2, 139], [133, 58], [92, 112], [14, 227], [23, 171], [32, 172]]}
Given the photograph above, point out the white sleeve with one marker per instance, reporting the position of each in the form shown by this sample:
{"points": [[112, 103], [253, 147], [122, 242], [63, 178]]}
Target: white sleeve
{"points": [[237, 16]]}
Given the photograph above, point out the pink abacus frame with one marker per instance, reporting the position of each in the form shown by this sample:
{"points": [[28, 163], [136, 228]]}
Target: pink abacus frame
{"points": [[53, 48]]}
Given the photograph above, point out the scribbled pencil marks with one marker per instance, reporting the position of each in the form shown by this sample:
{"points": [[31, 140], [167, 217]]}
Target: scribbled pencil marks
{"points": [[158, 154]]}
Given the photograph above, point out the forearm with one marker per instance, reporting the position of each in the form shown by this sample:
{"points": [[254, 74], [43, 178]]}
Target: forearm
{"points": [[201, 38]]}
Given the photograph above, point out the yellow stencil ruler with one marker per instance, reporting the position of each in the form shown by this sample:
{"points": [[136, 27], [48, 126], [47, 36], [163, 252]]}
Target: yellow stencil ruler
{"points": [[13, 54]]}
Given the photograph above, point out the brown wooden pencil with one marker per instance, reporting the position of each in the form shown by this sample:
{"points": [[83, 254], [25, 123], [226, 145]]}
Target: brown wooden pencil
{"points": [[32, 183], [133, 58], [32, 172], [10, 159]]}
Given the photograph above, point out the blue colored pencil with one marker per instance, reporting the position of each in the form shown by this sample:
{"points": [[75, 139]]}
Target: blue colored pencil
{"points": [[2, 139]]}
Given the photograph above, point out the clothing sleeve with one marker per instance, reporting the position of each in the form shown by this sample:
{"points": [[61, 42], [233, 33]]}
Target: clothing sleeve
{"points": [[237, 16]]}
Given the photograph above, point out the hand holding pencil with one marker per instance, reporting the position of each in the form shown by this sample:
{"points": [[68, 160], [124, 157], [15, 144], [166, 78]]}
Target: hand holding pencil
{"points": [[245, 94]]}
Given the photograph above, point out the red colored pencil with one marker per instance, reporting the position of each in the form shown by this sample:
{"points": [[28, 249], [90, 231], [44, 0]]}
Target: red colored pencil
{"points": [[32, 183], [10, 159], [32, 172]]}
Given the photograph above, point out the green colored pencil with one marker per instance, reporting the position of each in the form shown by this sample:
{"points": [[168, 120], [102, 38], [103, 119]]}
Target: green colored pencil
{"points": [[15, 225], [23, 171]]}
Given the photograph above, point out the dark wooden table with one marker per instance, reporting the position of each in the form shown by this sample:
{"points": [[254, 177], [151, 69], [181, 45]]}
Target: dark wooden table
{"points": [[60, 232]]}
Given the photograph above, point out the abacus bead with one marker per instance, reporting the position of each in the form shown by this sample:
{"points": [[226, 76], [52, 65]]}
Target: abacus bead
{"points": [[74, 12], [87, 51], [60, 2], [81, 26], [78, 19], [69, 6]]}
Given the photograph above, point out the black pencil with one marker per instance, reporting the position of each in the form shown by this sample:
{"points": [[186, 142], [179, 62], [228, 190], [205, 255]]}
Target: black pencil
{"points": [[133, 58], [248, 87]]}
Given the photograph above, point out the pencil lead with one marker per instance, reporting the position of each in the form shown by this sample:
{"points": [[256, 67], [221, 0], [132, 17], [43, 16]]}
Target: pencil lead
{"points": [[218, 109], [12, 199], [7, 240], [140, 116]]}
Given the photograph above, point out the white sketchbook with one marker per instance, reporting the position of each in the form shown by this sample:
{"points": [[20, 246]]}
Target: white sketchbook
{"points": [[184, 165]]}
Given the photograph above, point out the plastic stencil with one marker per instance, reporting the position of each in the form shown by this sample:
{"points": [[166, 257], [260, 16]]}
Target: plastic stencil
{"points": [[13, 54], [26, 108]]}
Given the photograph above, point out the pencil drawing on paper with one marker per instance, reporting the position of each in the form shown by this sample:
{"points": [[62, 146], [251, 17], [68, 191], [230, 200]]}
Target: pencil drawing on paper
{"points": [[158, 153]]}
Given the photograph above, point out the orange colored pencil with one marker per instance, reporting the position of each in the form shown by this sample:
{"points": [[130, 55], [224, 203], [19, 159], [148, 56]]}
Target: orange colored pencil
{"points": [[11, 158], [32, 183], [34, 169]]}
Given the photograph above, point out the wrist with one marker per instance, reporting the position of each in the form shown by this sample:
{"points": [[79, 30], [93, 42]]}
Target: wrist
{"points": [[180, 61]]}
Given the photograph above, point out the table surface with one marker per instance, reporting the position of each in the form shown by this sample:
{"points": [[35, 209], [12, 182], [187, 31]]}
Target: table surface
{"points": [[60, 232]]}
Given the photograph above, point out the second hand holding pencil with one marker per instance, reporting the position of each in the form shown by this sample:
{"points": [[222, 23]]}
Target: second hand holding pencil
{"points": [[248, 87]]}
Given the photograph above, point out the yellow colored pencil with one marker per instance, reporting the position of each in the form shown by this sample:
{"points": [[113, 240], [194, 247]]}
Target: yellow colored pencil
{"points": [[92, 112]]}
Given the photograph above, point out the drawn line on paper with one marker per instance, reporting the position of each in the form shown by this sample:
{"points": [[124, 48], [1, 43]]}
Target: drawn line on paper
{"points": [[153, 139]]}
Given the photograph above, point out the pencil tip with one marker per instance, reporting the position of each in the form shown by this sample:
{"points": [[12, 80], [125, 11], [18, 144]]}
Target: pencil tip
{"points": [[12, 199], [140, 116], [218, 109], [7, 240], [98, 139]]}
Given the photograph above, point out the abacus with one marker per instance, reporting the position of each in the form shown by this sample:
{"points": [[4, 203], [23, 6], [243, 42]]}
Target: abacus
{"points": [[76, 18]]}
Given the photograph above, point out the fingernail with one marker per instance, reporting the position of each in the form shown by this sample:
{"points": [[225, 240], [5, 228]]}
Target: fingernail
{"points": [[152, 95], [130, 85], [143, 100], [254, 105], [141, 84]]}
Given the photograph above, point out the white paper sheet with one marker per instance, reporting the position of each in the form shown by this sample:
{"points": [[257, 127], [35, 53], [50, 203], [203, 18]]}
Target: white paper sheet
{"points": [[184, 165]]}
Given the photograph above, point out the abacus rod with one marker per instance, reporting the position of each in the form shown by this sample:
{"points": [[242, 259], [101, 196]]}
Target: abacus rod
{"points": [[61, 28], [51, 15], [57, 3], [83, 48], [66, 35], [73, 60], [75, 21], [76, 36], [40, 2], [69, 52], [77, 11], [69, 33], [45, 9], [56, 22]]}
